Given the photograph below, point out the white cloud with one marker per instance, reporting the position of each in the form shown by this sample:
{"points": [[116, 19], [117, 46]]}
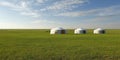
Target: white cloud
{"points": [[7, 4], [40, 1], [23, 4], [64, 5], [33, 14], [113, 10], [23, 7], [19, 6]]}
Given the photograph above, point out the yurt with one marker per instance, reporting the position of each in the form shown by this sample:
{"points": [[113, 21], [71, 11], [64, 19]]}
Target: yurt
{"points": [[79, 31], [58, 30], [99, 31]]}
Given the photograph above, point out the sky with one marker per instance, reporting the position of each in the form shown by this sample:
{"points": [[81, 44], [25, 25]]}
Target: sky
{"points": [[46, 14]]}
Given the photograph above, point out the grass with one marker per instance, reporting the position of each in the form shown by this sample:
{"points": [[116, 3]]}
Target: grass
{"points": [[40, 45]]}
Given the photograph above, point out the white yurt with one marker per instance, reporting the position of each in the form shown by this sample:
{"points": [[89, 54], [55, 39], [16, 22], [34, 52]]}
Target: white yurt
{"points": [[99, 31], [80, 31], [58, 30]]}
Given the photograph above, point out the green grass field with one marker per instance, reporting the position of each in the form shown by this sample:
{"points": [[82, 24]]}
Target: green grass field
{"points": [[40, 45]]}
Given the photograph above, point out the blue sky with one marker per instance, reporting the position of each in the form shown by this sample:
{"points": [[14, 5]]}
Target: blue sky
{"points": [[42, 14]]}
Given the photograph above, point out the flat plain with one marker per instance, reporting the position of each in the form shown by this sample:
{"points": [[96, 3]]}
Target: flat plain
{"points": [[40, 45]]}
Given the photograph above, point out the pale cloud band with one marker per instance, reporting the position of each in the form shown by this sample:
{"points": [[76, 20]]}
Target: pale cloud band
{"points": [[109, 11]]}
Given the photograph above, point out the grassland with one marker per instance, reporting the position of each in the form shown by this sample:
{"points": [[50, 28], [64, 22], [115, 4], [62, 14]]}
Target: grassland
{"points": [[40, 45]]}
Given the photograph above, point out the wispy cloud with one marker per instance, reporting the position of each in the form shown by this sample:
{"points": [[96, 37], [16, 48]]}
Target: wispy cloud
{"points": [[109, 11], [30, 13], [63, 5], [41, 1], [35, 8], [23, 7], [7, 4]]}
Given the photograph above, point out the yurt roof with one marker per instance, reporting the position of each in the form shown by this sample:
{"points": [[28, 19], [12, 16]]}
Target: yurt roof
{"points": [[99, 29], [79, 29], [58, 28]]}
